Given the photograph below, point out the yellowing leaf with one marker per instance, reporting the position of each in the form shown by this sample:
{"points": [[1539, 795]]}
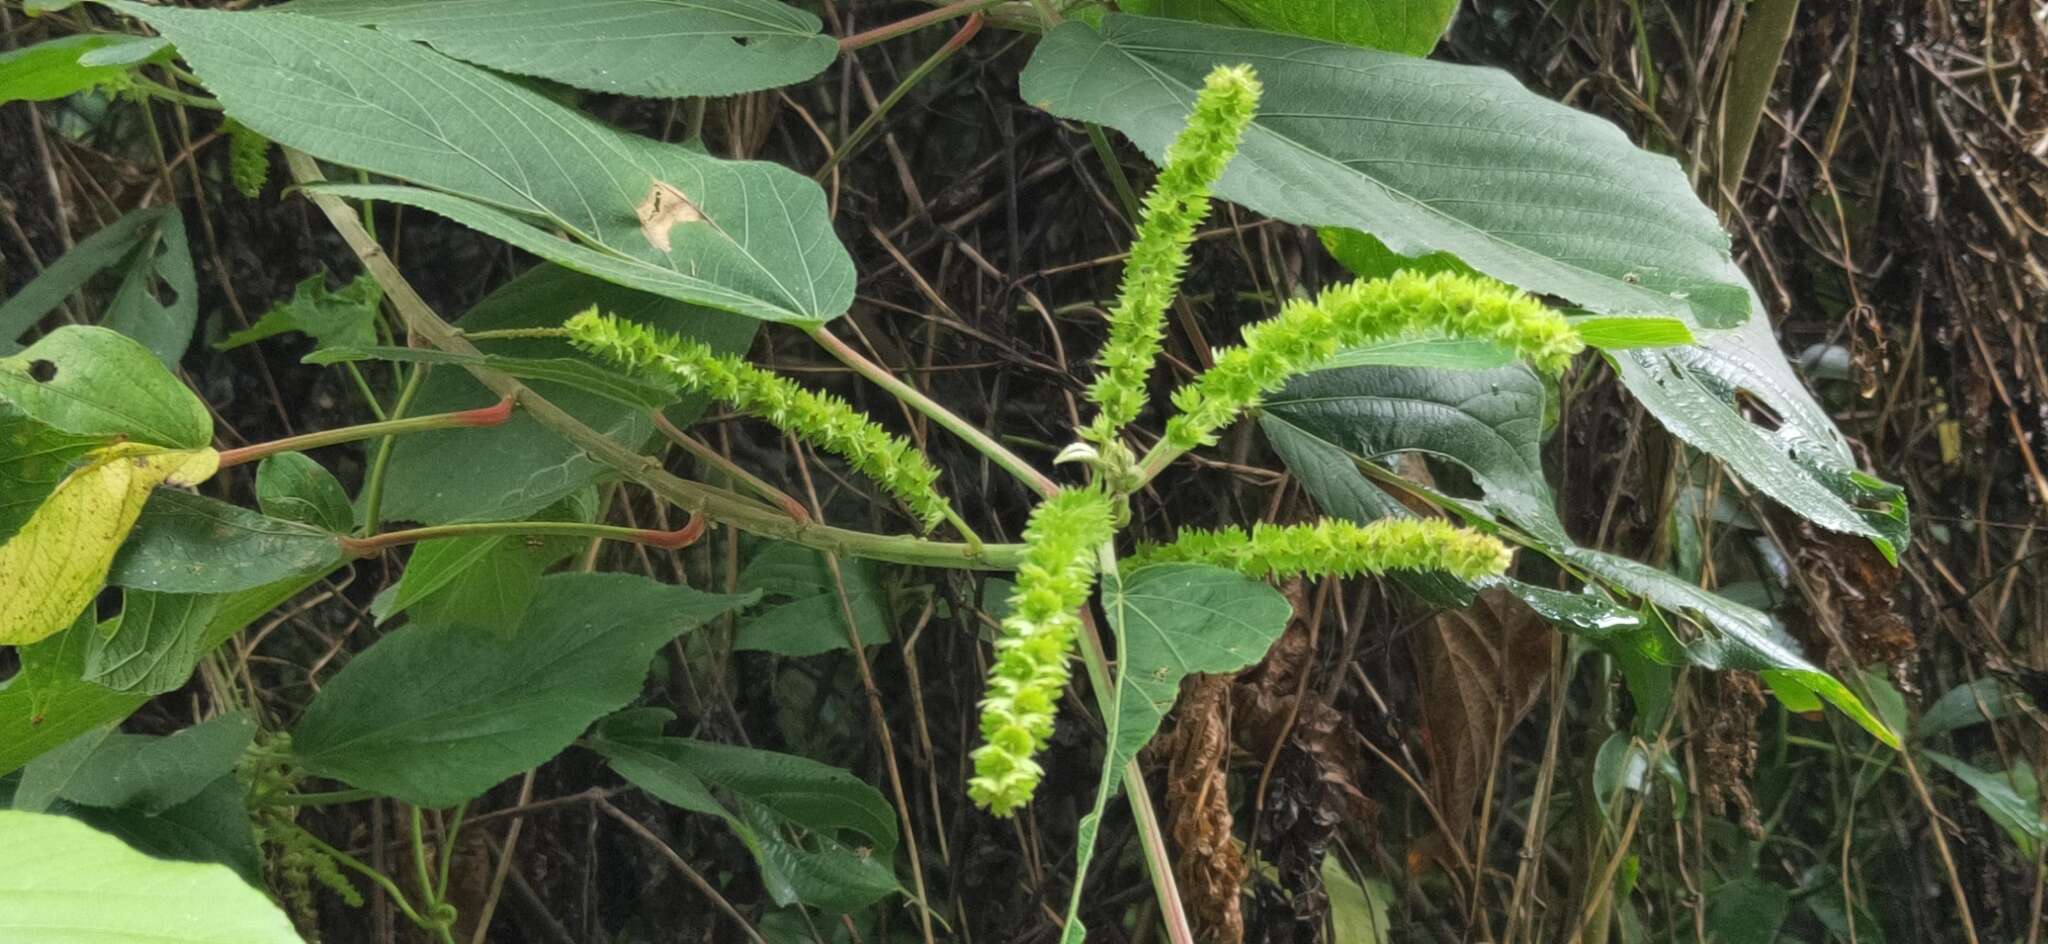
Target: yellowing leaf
{"points": [[53, 567]]}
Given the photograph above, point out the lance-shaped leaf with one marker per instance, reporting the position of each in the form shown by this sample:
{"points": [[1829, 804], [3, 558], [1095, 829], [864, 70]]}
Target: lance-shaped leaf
{"points": [[658, 48], [1426, 156]]}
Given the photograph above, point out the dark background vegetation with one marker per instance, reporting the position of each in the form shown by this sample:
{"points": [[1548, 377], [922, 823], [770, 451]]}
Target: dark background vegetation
{"points": [[1893, 213]]}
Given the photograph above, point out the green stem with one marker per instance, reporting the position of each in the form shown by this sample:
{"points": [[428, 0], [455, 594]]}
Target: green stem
{"points": [[1125, 194], [874, 118], [486, 416], [713, 503], [880, 34], [671, 540], [982, 442], [373, 488], [390, 887]]}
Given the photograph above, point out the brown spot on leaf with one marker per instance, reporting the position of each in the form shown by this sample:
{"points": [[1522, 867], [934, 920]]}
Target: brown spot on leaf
{"points": [[664, 209]]}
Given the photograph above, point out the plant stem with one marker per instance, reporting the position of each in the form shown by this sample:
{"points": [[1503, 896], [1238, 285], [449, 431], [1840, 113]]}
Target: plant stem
{"points": [[713, 503], [486, 416], [867, 125], [373, 489], [671, 540], [982, 442], [881, 34], [717, 460]]}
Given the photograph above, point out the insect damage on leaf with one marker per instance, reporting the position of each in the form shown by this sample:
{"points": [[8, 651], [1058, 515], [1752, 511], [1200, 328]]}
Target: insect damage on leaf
{"points": [[664, 209]]}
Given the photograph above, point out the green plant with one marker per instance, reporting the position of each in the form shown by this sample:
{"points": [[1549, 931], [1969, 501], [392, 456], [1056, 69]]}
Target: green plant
{"points": [[670, 261]]}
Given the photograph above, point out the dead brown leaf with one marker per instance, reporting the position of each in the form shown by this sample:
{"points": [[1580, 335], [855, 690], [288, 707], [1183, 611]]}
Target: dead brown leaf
{"points": [[1209, 865]]}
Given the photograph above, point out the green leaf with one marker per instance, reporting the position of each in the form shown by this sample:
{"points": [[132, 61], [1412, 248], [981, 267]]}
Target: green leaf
{"points": [[568, 371], [147, 247], [771, 794], [1624, 764], [344, 318], [154, 774], [765, 247], [1169, 620], [2011, 798], [1804, 464], [96, 382], [62, 882], [152, 646], [50, 69], [1973, 703], [290, 486], [1426, 156], [1409, 27], [187, 543], [1358, 910], [1747, 911], [656, 48], [493, 704], [811, 620], [42, 780], [518, 468], [481, 582], [213, 826], [33, 459]]}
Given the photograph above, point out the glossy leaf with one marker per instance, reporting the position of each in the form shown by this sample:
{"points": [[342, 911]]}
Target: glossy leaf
{"points": [[95, 382], [1409, 27], [63, 882], [514, 470], [1425, 156], [492, 705], [290, 486], [186, 543], [657, 48], [53, 567], [508, 154]]}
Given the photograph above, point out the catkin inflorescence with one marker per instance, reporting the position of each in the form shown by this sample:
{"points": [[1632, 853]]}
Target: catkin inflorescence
{"points": [[1179, 201], [1338, 548], [1053, 583], [820, 419], [1307, 333]]}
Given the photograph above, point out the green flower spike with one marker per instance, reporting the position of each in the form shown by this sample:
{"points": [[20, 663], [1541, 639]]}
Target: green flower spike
{"points": [[1306, 334], [1340, 548], [1179, 201], [1053, 582], [823, 420], [248, 159]]}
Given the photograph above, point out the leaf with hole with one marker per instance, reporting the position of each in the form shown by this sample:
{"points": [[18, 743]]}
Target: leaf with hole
{"points": [[656, 48], [147, 248], [92, 381]]}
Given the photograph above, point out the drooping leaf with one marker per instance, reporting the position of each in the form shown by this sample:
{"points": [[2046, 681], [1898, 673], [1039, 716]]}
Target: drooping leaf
{"points": [[1169, 620], [656, 48], [766, 794], [484, 582], [516, 469], [1409, 27], [1985, 699], [1426, 156], [148, 248], [186, 543], [63, 882], [809, 618], [492, 705], [332, 318], [152, 646], [51, 69], [1478, 671], [1747, 911], [766, 248], [96, 382], [53, 567], [41, 781], [153, 774], [2012, 798], [1358, 910], [290, 486]]}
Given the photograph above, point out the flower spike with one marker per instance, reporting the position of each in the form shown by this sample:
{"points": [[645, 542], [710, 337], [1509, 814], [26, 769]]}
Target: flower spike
{"points": [[1339, 548], [1306, 334], [821, 419], [1053, 582], [1179, 201]]}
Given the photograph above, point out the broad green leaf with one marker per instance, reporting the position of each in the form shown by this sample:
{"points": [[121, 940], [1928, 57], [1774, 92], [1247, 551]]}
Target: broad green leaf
{"points": [[212, 826], [606, 382], [187, 543], [767, 795], [2012, 798], [33, 459], [1985, 699], [1803, 464], [147, 247], [481, 582], [765, 247], [37, 715], [1169, 620], [656, 48], [1624, 764], [42, 780], [1409, 27], [63, 882], [51, 70], [516, 469], [1426, 156], [493, 704], [1747, 911], [54, 566], [290, 486], [152, 646], [153, 774], [95, 382], [343, 318], [810, 619], [1358, 910]]}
